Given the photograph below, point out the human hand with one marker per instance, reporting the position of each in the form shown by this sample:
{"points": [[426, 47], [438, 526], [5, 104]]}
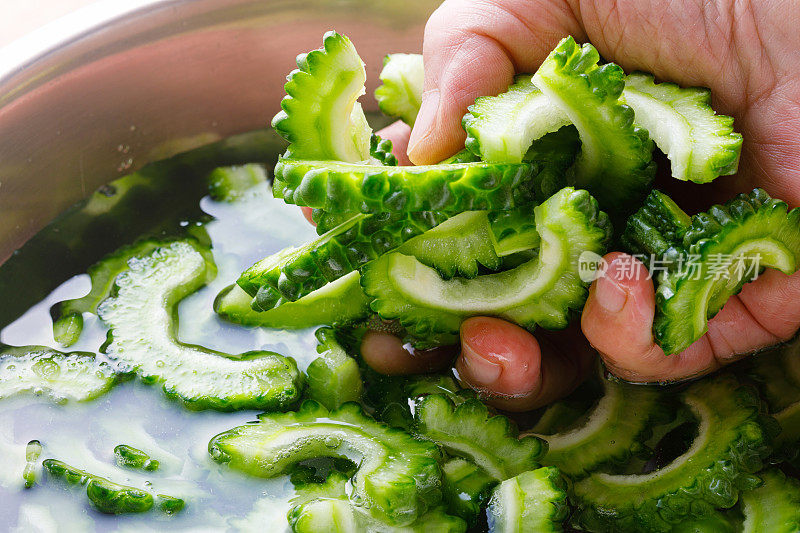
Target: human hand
{"points": [[745, 53]]}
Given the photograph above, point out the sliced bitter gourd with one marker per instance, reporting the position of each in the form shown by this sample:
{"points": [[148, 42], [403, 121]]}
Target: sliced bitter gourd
{"points": [[613, 431], [333, 377], [338, 303], [701, 145], [540, 291], [141, 316], [398, 476], [532, 502], [615, 163], [731, 443], [76, 376], [325, 507], [131, 457], [466, 489], [33, 451], [228, 184], [400, 94], [720, 251], [106, 496], [338, 186], [774, 506], [469, 430]]}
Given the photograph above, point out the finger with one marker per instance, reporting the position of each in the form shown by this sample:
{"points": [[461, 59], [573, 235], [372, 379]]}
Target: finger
{"points": [[504, 363], [387, 354], [398, 132], [473, 48], [308, 213]]}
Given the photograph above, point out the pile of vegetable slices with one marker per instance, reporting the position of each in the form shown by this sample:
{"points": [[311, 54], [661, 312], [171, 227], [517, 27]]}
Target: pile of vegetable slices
{"points": [[556, 169]]}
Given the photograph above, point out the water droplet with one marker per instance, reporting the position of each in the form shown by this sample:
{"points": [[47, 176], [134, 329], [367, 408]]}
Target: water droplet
{"points": [[333, 442]]}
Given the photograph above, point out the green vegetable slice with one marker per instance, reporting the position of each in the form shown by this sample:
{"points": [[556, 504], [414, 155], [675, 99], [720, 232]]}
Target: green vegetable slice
{"points": [[228, 184], [131, 457], [502, 128], [76, 376], [731, 443], [700, 144], [466, 489], [469, 430], [320, 116], [333, 377], [398, 476], [141, 316], [612, 432], [720, 251], [325, 507], [540, 291], [33, 450], [532, 502], [400, 94], [106, 496], [615, 163], [774, 506], [337, 303], [337, 186]]}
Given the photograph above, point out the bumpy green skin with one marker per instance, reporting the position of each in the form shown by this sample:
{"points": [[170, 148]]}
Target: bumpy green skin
{"points": [[715, 523], [337, 186], [106, 496], [469, 430], [731, 444], [466, 489], [228, 184], [340, 302], [324, 507], [295, 272], [532, 502], [501, 128], [716, 257], [615, 163], [170, 505], [398, 476], [141, 318], [381, 150], [774, 506], [540, 291], [131, 457], [32, 453], [320, 117], [400, 94], [612, 432], [76, 376], [700, 144], [68, 315], [657, 228], [333, 378]]}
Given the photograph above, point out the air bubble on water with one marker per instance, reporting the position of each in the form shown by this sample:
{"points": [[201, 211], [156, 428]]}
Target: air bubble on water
{"points": [[125, 165], [160, 363], [333, 442], [123, 148]]}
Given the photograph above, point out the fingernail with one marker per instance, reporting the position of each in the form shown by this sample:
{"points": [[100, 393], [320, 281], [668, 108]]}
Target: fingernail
{"points": [[610, 295], [426, 118], [480, 371]]}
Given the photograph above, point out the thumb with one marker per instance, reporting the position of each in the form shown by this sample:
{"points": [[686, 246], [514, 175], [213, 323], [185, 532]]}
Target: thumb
{"points": [[473, 48]]}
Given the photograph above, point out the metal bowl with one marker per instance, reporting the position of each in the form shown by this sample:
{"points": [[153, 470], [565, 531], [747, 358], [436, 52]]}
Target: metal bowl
{"points": [[121, 83]]}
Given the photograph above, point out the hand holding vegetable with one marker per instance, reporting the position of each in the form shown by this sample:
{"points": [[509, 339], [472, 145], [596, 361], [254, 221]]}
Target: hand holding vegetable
{"points": [[474, 48]]}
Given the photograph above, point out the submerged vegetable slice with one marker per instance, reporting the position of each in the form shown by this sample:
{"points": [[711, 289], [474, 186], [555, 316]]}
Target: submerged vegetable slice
{"points": [[333, 377], [774, 506], [611, 432], [400, 95], [540, 291], [106, 496], [324, 507], [532, 502], [337, 186], [228, 184], [398, 476], [76, 376], [337, 303], [141, 316], [720, 251], [615, 163], [731, 443], [469, 430], [700, 144], [131, 457], [466, 489], [33, 451]]}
